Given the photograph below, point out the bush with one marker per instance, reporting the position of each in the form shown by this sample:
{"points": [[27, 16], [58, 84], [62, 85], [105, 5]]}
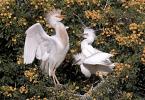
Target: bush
{"points": [[122, 24]]}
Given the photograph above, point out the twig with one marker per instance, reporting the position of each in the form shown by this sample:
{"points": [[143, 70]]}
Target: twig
{"points": [[80, 20]]}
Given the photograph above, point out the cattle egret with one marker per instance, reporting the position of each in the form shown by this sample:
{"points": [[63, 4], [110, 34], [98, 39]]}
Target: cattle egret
{"points": [[51, 50], [92, 60]]}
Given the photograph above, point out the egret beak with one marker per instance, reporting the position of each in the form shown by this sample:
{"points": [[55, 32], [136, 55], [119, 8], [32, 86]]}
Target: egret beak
{"points": [[79, 35], [83, 35], [61, 16], [84, 27]]}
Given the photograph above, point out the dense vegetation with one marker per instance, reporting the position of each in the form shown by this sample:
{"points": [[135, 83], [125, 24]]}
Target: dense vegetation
{"points": [[122, 25]]}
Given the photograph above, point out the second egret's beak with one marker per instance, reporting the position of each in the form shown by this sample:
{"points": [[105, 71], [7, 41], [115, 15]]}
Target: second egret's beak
{"points": [[61, 16], [84, 27], [84, 35], [81, 36]]}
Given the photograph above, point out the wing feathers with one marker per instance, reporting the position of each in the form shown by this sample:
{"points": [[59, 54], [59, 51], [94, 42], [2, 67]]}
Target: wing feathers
{"points": [[98, 58], [37, 29], [29, 50], [35, 35]]}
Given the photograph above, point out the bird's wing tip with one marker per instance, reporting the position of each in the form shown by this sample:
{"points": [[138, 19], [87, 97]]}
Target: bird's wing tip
{"points": [[32, 27]]}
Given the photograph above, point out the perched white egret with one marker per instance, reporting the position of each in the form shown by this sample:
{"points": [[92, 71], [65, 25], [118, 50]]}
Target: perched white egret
{"points": [[92, 60], [51, 50]]}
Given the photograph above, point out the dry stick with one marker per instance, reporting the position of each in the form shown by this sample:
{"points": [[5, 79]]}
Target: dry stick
{"points": [[84, 26], [80, 20]]}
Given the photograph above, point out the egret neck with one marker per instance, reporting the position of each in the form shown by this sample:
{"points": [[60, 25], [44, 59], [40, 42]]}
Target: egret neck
{"points": [[87, 41], [61, 33]]}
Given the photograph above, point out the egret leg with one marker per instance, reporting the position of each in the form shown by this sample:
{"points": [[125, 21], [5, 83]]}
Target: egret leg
{"points": [[53, 77], [58, 83], [42, 66]]}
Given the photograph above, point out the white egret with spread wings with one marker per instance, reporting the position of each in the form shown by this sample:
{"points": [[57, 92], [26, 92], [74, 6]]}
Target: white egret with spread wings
{"points": [[51, 50], [92, 60]]}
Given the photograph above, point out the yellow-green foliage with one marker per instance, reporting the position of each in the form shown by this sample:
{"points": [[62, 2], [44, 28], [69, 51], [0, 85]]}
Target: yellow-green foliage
{"points": [[122, 25]]}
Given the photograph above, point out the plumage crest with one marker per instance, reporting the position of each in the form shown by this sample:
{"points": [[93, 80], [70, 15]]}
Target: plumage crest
{"points": [[53, 13], [90, 31]]}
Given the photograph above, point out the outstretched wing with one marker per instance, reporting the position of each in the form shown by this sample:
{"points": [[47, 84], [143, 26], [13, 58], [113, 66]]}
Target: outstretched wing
{"points": [[98, 58], [34, 42], [87, 49]]}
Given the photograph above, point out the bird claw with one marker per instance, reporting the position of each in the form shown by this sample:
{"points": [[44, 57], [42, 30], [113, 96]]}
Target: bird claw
{"points": [[60, 86]]}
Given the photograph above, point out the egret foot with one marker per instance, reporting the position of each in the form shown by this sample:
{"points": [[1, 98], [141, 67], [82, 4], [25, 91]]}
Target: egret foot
{"points": [[60, 87]]}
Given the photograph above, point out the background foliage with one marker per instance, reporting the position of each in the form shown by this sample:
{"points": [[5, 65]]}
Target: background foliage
{"points": [[123, 26]]}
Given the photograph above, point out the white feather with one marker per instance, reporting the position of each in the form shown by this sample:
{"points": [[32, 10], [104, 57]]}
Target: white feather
{"points": [[98, 58], [45, 56], [85, 71], [39, 53], [35, 35], [93, 60]]}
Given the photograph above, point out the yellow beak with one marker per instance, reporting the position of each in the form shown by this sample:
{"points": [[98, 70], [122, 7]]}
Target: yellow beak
{"points": [[61, 16]]}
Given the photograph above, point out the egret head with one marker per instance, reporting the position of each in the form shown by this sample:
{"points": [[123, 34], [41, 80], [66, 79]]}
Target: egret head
{"points": [[89, 34], [54, 16]]}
